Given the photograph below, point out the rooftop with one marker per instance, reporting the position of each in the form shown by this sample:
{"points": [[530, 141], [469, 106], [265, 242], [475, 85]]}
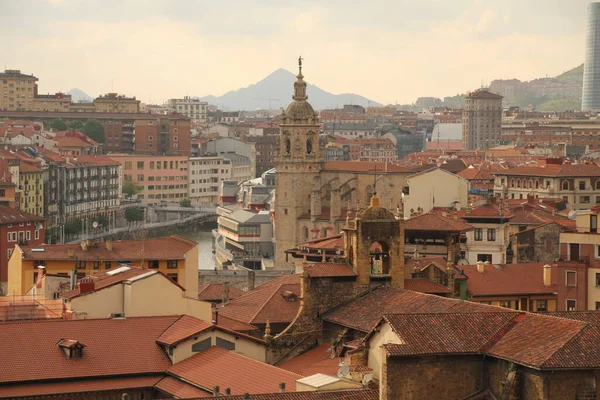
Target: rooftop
{"points": [[564, 170], [507, 279], [214, 292], [365, 166], [9, 215], [434, 222], [317, 360], [423, 285]]}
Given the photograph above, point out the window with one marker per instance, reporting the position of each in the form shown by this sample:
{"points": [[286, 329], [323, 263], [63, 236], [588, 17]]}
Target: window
{"points": [[96, 265], [140, 178], [106, 264], [581, 185], [28, 235], [172, 264], [505, 304], [285, 211], [151, 164], [541, 305], [127, 164], [491, 235], [549, 245], [225, 344], [173, 277], [140, 165], [478, 234], [10, 252], [584, 199], [153, 264], [201, 345], [37, 234], [484, 257], [571, 278], [565, 185], [80, 264], [571, 305]]}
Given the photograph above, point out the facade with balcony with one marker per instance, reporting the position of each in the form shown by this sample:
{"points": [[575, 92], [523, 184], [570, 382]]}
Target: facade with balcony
{"points": [[577, 184]]}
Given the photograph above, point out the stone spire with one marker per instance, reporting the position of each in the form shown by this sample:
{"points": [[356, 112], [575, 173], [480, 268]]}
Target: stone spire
{"points": [[300, 85]]}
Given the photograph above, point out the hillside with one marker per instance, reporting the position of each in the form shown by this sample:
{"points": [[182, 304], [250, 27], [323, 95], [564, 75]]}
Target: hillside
{"points": [[278, 86]]}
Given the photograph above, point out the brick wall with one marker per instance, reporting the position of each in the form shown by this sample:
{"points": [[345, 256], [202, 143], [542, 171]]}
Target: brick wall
{"points": [[440, 378], [579, 385]]}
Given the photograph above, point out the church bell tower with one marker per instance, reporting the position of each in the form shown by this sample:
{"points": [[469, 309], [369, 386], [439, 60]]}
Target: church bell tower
{"points": [[298, 161]]}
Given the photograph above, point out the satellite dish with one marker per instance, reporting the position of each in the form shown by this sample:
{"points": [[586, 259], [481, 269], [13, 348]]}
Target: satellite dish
{"points": [[366, 379], [343, 371], [572, 214], [95, 224]]}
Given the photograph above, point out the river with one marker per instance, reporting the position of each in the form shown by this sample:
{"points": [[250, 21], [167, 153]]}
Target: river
{"points": [[206, 259]]}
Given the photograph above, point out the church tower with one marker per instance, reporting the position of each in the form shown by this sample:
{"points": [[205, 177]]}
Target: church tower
{"points": [[298, 163]]}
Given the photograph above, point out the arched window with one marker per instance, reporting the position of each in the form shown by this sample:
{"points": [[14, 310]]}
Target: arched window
{"points": [[537, 184], [379, 258], [326, 193], [518, 183], [565, 185], [288, 146], [309, 146], [512, 182], [530, 184], [598, 185]]}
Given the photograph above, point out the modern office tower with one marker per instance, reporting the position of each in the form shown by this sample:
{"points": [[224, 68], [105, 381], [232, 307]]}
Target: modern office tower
{"points": [[591, 69]]}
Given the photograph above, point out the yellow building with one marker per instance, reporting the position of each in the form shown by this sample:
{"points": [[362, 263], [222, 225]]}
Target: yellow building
{"points": [[31, 189], [58, 102], [174, 256], [113, 102], [17, 90]]}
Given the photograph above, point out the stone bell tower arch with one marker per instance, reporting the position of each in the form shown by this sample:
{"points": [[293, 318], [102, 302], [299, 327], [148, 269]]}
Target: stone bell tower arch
{"points": [[299, 160]]}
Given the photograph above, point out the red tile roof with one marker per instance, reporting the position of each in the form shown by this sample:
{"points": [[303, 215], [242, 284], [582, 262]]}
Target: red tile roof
{"points": [[330, 270], [423, 285], [315, 361], [179, 389], [434, 222], [9, 215], [214, 292], [184, 328], [507, 279], [488, 210], [349, 394], [328, 243], [172, 248], [365, 166], [462, 333], [484, 94], [472, 173], [365, 312], [227, 369], [565, 170], [28, 350], [265, 302], [78, 386], [27, 168], [232, 324]]}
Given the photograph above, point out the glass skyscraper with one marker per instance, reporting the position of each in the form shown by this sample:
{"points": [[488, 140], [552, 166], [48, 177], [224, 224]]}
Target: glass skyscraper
{"points": [[591, 69]]}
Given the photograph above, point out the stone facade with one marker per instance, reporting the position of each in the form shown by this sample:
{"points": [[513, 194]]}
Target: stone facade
{"points": [[540, 244]]}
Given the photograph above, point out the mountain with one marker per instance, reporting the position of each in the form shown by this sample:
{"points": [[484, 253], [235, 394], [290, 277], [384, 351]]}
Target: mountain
{"points": [[77, 96], [279, 86]]}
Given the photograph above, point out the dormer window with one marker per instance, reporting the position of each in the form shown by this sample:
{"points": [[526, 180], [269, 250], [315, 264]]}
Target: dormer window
{"points": [[71, 348], [289, 296]]}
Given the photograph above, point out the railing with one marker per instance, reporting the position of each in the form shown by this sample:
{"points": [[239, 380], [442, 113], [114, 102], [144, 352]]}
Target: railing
{"points": [[582, 259]]}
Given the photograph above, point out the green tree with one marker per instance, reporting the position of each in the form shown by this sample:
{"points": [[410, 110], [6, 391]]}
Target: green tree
{"points": [[133, 214], [94, 130], [185, 203], [77, 124], [103, 221], [73, 227], [130, 188], [58, 124]]}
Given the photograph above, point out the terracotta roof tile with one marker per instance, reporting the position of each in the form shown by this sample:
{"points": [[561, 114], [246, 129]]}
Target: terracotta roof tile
{"points": [[77, 386], [462, 333], [182, 329], [179, 389], [423, 285], [232, 324], [328, 243], [312, 362], [266, 301], [365, 166], [9, 215], [330, 270], [172, 248], [364, 313], [488, 210], [216, 367], [113, 347], [214, 292], [434, 222], [349, 394], [565, 170], [507, 279], [484, 94]]}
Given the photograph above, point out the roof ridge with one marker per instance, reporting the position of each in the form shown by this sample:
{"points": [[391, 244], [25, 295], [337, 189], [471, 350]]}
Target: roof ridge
{"points": [[169, 327]]}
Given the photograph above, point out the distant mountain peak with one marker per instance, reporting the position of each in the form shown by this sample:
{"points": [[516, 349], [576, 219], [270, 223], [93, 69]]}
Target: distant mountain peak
{"points": [[78, 95], [278, 86]]}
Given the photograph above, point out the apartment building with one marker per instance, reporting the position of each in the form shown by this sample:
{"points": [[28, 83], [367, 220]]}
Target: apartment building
{"points": [[204, 177], [17, 90], [194, 109], [163, 135], [577, 184], [162, 178], [482, 120], [350, 130]]}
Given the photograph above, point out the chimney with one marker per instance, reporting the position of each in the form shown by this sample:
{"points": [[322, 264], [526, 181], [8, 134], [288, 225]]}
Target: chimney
{"points": [[480, 267], [251, 280], [84, 245], [282, 387], [86, 286], [547, 275], [227, 391], [216, 391], [225, 294], [109, 245]]}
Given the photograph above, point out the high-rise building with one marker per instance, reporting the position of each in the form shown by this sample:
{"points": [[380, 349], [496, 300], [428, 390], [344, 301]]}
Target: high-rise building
{"points": [[192, 108], [17, 90], [482, 120], [591, 69]]}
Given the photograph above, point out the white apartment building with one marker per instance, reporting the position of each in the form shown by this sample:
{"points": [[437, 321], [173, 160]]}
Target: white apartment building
{"points": [[194, 109], [204, 177]]}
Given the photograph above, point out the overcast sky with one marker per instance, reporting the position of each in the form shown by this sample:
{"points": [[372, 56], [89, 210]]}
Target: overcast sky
{"points": [[389, 51]]}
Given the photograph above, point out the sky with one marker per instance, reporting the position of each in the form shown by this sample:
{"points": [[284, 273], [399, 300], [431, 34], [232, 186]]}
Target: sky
{"points": [[389, 51]]}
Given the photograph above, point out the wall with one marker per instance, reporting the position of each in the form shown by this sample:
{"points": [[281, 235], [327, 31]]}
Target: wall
{"points": [[376, 353], [437, 188], [593, 291], [433, 377], [475, 247], [98, 304], [238, 279], [532, 245]]}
